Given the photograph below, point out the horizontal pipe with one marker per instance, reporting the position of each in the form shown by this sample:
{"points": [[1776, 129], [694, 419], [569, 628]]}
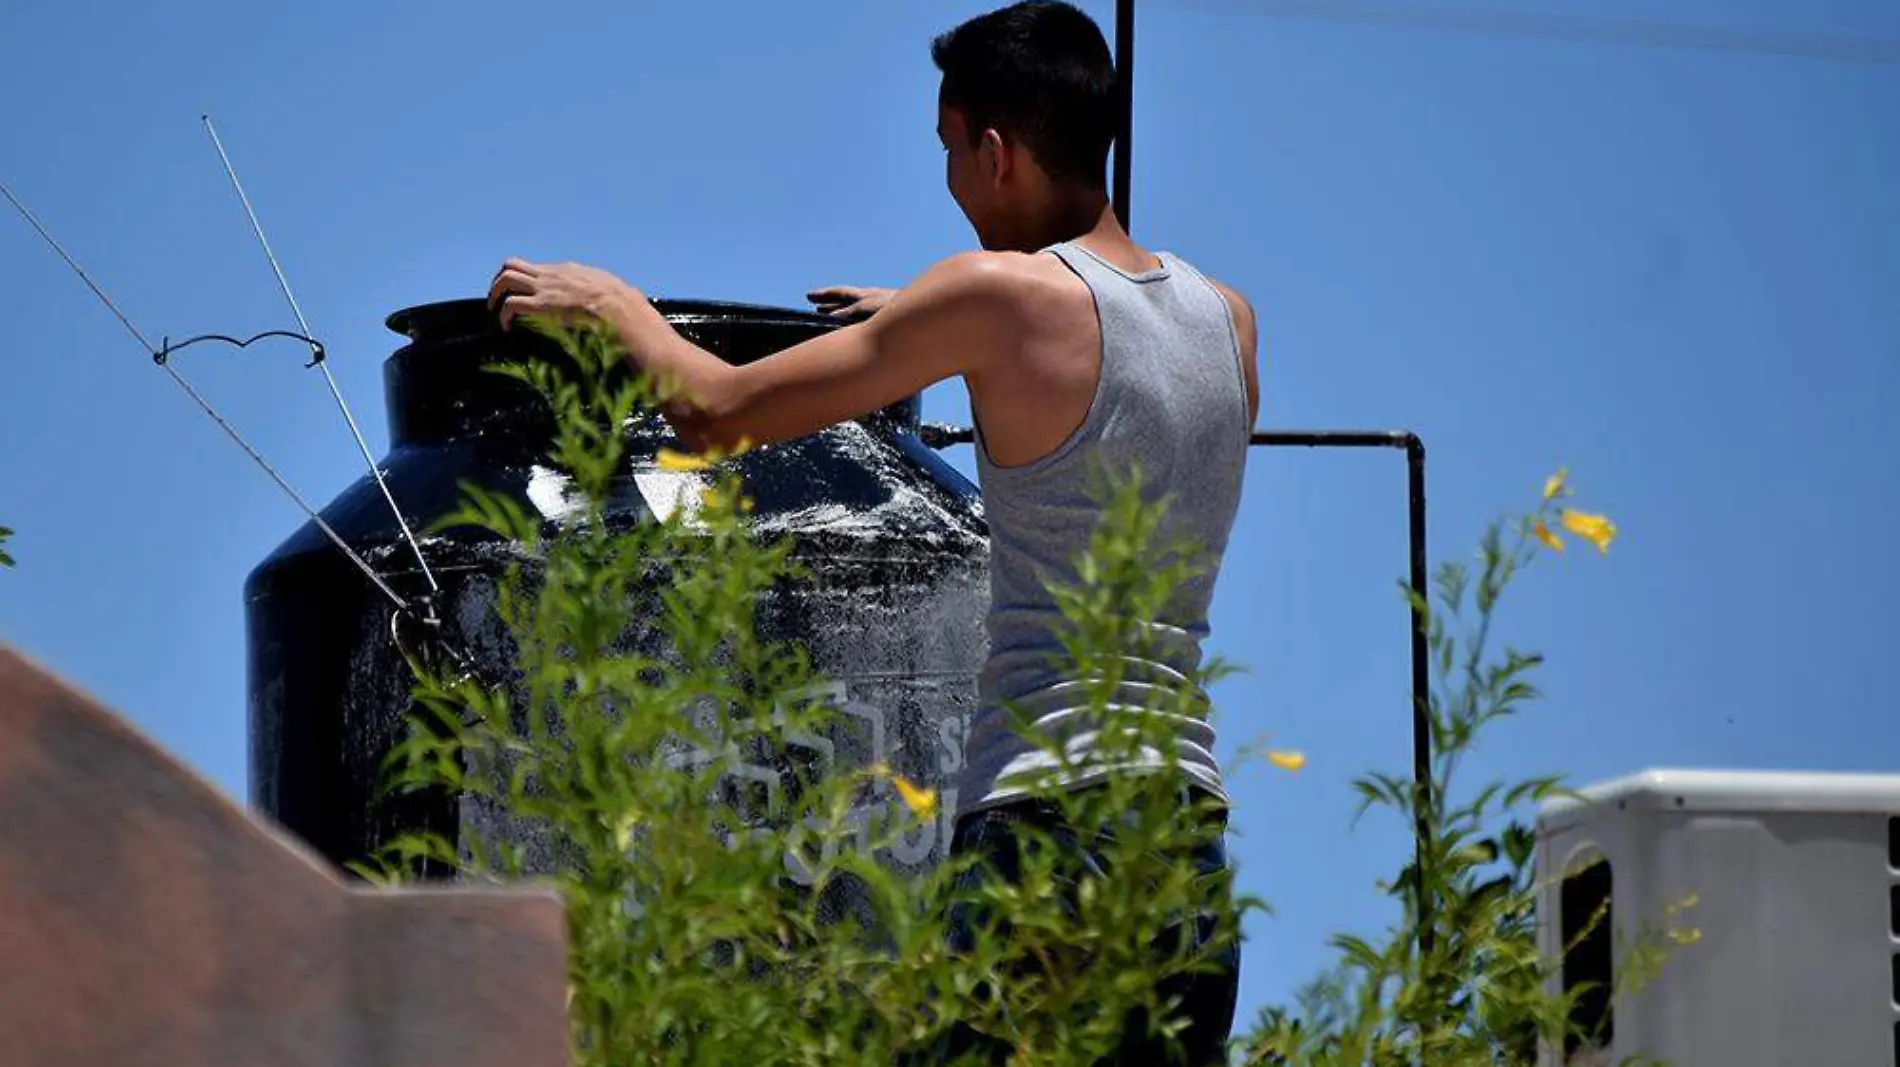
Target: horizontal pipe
{"points": [[937, 435], [1402, 439]]}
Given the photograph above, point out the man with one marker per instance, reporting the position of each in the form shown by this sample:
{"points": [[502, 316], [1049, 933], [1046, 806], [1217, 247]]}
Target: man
{"points": [[1077, 346]]}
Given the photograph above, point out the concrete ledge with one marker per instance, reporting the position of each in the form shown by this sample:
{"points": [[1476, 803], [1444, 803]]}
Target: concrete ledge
{"points": [[146, 919]]}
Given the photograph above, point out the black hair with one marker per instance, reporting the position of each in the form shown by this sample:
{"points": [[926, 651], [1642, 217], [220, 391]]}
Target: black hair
{"points": [[1038, 71]]}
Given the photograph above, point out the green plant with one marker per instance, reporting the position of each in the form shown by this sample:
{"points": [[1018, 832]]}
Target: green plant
{"points": [[1461, 981], [711, 924], [640, 693]]}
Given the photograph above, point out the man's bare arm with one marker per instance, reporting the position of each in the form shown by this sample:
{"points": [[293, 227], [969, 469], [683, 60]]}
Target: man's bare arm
{"points": [[1247, 332], [949, 322]]}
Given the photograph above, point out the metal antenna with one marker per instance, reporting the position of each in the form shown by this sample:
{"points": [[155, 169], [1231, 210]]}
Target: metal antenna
{"points": [[159, 357], [283, 284]]}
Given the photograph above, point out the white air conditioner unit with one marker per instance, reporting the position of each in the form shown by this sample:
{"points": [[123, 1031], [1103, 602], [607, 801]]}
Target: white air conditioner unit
{"points": [[1795, 880]]}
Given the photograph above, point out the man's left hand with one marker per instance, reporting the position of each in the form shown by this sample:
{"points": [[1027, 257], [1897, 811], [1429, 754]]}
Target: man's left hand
{"points": [[561, 291]]}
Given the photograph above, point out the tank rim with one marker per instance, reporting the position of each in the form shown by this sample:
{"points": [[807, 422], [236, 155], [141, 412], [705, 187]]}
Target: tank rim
{"points": [[470, 317]]}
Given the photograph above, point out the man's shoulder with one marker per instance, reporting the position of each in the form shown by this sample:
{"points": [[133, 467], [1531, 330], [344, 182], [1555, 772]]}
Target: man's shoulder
{"points": [[1019, 297], [981, 306], [1005, 278]]}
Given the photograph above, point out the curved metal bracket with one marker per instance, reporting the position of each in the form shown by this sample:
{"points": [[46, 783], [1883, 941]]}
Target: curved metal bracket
{"points": [[166, 348]]}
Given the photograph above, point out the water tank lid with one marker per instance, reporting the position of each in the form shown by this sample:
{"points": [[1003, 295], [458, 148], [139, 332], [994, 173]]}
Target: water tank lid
{"points": [[1675, 789], [471, 318]]}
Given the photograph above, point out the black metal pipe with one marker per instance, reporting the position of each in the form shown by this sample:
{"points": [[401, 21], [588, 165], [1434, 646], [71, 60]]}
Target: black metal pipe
{"points": [[1125, 101], [1421, 676], [940, 436], [1414, 449]]}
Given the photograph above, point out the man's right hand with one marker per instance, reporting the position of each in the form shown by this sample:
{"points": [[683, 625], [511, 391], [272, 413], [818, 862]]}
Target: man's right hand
{"points": [[849, 301]]}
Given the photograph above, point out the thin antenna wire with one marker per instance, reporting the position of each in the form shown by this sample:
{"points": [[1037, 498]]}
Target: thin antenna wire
{"points": [[34, 221], [283, 283], [202, 403]]}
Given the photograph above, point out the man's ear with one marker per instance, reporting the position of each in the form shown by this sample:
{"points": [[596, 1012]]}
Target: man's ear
{"points": [[996, 154]]}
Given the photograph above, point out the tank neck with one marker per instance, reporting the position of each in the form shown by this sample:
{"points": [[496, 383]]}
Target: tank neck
{"points": [[439, 388]]}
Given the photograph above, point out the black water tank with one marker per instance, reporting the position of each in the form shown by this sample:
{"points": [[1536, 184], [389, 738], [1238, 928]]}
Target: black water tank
{"points": [[892, 538]]}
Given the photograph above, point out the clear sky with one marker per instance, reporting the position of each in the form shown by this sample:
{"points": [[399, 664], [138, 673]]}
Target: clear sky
{"points": [[1677, 272]]}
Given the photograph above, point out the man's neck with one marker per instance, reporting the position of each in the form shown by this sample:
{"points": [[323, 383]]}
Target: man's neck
{"points": [[1090, 221]]}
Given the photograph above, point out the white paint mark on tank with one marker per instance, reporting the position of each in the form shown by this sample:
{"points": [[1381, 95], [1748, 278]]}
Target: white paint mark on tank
{"points": [[668, 493], [547, 491]]}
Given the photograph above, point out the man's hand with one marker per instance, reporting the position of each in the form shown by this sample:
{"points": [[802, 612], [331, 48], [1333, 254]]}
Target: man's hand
{"points": [[560, 291], [849, 301], [953, 320]]}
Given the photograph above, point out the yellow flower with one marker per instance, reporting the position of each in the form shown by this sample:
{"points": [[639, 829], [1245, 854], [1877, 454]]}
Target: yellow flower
{"points": [[1554, 485], [1543, 534], [921, 802], [680, 462], [1596, 529], [1287, 761]]}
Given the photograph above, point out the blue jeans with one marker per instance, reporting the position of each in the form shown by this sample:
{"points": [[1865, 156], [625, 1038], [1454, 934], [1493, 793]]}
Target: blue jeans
{"points": [[1207, 997]]}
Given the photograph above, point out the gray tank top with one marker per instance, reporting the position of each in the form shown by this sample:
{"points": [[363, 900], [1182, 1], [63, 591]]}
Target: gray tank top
{"points": [[1172, 398]]}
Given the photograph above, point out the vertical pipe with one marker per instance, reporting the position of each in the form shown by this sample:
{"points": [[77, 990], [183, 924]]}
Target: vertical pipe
{"points": [[1421, 679], [1125, 102]]}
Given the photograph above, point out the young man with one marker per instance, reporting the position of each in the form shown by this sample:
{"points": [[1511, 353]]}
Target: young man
{"points": [[1077, 346]]}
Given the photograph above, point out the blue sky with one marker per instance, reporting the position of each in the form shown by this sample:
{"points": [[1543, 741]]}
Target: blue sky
{"points": [[1675, 272]]}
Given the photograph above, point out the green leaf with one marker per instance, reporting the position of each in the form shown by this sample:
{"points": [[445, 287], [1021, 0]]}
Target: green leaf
{"points": [[1520, 843], [1535, 790]]}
